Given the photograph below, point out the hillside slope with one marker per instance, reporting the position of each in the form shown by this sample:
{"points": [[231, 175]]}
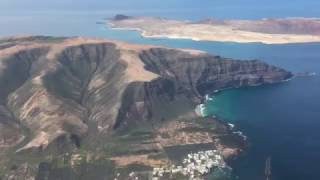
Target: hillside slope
{"points": [[75, 97]]}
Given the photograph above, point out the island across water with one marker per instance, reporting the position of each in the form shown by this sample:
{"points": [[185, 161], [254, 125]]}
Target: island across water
{"points": [[267, 31]]}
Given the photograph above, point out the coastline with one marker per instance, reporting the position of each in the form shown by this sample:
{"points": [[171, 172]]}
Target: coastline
{"points": [[200, 111], [215, 30]]}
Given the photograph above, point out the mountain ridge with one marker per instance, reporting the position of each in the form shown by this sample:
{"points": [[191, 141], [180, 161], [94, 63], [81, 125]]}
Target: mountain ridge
{"points": [[76, 93]]}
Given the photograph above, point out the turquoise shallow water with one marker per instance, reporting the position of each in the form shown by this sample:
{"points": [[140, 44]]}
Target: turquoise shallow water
{"points": [[281, 121]]}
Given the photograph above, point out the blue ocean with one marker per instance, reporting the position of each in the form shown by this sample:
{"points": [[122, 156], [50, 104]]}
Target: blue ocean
{"points": [[281, 121]]}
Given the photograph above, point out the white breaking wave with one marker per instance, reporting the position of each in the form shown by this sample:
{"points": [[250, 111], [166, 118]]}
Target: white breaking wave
{"points": [[240, 134], [231, 125], [201, 110], [208, 98]]}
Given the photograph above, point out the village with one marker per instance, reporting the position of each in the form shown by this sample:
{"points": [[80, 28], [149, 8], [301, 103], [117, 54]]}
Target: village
{"points": [[193, 166]]}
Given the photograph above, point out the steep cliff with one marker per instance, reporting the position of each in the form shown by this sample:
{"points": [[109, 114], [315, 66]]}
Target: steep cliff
{"points": [[183, 74], [90, 92], [204, 74]]}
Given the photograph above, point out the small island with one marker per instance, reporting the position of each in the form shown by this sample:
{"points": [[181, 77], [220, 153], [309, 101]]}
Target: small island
{"points": [[266, 31]]}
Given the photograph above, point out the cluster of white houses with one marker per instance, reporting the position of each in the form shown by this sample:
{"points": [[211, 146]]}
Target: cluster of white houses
{"points": [[193, 166]]}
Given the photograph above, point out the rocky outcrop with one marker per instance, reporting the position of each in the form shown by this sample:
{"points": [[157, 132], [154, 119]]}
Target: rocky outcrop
{"points": [[120, 17], [79, 90]]}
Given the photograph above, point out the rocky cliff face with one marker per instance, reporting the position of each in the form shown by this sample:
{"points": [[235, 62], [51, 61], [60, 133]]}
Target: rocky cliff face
{"points": [[194, 76], [204, 74], [80, 90]]}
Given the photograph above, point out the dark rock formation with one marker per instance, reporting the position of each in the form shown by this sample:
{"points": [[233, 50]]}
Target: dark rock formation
{"points": [[120, 17], [204, 74]]}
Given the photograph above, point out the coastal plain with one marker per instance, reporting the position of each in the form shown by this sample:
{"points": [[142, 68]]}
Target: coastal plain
{"points": [[266, 31]]}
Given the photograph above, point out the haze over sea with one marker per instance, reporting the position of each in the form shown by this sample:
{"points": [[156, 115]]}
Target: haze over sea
{"points": [[281, 121]]}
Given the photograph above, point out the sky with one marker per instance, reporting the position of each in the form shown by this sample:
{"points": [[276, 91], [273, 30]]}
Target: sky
{"points": [[24, 5], [201, 8], [85, 4]]}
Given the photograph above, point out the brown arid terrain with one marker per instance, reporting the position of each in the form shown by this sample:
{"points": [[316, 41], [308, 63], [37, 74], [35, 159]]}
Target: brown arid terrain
{"points": [[84, 108], [267, 31]]}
